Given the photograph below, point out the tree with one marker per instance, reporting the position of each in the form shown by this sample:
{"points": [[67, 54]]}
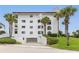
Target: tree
{"points": [[67, 12], [58, 15], [45, 20], [10, 18]]}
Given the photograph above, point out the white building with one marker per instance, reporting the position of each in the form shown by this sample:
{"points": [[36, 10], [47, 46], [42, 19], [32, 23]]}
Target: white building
{"points": [[28, 27], [2, 27]]}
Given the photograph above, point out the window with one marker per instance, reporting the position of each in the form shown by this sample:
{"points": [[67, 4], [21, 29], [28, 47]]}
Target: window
{"points": [[49, 27], [23, 21], [31, 21], [16, 26], [23, 32], [49, 32], [23, 38], [49, 23], [42, 26], [15, 29], [42, 32], [23, 26], [31, 27], [16, 32], [31, 15], [39, 32], [39, 26], [31, 32], [39, 21], [16, 21]]}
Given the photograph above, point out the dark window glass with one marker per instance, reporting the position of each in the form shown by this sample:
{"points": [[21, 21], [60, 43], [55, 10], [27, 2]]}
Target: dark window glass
{"points": [[16, 32], [16, 21], [31, 32], [16, 26], [31, 15], [31, 26], [15, 29], [42, 26], [49, 23], [39, 32], [23, 38], [49, 32], [23, 26], [23, 32], [49, 27], [42, 32], [23, 21], [39, 21], [39, 26], [31, 21]]}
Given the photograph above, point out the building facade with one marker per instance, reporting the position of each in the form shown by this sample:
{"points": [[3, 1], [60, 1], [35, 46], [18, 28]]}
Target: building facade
{"points": [[28, 27]]}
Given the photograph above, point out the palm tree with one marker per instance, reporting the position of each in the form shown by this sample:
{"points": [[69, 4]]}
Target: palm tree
{"points": [[10, 18], [67, 12], [58, 15], [45, 21]]}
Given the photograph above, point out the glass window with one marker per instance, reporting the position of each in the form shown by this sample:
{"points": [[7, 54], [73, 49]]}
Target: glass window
{"points": [[16, 26], [42, 26], [39, 27], [23, 21], [39, 32], [42, 32], [31, 15], [49, 32], [23, 32], [49, 27], [16, 32], [31, 21], [16, 21], [49, 23], [31, 27], [39, 21], [23, 26], [31, 32]]}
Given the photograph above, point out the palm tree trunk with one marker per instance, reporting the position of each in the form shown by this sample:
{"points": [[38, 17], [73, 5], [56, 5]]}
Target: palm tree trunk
{"points": [[10, 29], [67, 34], [58, 27], [45, 29]]}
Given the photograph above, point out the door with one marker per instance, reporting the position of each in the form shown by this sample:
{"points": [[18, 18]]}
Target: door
{"points": [[31, 40]]}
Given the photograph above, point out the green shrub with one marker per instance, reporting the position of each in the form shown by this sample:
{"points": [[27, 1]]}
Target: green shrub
{"points": [[52, 35], [64, 35], [2, 32], [52, 40], [7, 41]]}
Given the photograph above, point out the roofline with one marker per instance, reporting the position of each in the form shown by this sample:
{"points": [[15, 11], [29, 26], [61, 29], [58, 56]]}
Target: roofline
{"points": [[34, 12]]}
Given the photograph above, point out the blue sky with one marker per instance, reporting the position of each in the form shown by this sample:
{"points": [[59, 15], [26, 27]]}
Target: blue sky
{"points": [[74, 20]]}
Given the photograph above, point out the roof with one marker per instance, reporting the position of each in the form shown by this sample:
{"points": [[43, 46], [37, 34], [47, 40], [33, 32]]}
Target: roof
{"points": [[33, 12]]}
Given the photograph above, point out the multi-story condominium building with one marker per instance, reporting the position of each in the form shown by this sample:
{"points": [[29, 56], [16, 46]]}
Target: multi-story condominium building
{"points": [[28, 27]]}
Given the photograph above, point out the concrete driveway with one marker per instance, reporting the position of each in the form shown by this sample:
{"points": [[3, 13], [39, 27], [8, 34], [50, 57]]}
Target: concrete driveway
{"points": [[31, 48]]}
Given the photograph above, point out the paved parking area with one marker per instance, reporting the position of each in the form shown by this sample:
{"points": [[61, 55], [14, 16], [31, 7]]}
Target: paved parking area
{"points": [[31, 48]]}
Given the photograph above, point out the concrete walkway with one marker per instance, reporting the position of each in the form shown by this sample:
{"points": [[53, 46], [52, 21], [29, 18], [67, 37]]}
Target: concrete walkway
{"points": [[31, 48]]}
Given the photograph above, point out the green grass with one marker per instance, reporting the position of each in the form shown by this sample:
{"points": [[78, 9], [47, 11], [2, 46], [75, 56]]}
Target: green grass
{"points": [[74, 44]]}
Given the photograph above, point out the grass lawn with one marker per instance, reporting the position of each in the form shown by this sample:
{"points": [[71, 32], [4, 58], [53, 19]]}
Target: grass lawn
{"points": [[74, 44]]}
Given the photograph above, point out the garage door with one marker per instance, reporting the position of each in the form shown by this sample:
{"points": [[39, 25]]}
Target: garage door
{"points": [[31, 40]]}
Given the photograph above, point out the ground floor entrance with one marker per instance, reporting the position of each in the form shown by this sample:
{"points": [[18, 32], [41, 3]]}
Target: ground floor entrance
{"points": [[31, 40]]}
